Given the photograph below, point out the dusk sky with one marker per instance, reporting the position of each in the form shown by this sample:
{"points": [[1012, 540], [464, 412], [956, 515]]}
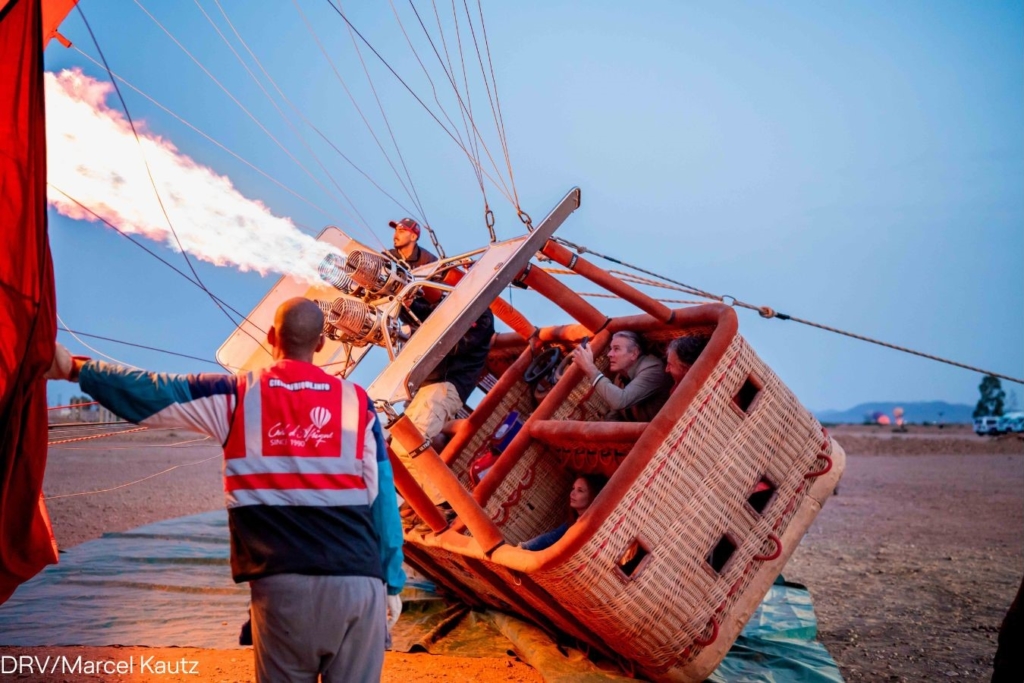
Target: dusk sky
{"points": [[857, 164]]}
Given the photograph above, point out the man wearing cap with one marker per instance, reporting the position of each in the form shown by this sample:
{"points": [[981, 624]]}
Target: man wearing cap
{"points": [[442, 394], [407, 249]]}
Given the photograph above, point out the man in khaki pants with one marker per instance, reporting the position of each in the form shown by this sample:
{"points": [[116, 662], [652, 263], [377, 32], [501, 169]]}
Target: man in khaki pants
{"points": [[445, 390]]}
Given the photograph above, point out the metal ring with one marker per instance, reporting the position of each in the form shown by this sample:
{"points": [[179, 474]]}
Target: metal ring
{"points": [[727, 296]]}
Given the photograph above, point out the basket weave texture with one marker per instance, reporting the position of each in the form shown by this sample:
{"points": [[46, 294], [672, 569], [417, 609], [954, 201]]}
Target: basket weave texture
{"points": [[692, 493]]}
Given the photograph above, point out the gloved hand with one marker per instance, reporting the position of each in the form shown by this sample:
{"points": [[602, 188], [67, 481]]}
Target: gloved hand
{"points": [[394, 610]]}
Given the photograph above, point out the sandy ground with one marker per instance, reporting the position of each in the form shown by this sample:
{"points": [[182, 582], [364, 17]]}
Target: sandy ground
{"points": [[911, 567]]}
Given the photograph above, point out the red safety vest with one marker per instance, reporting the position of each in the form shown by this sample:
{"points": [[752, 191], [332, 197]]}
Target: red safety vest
{"points": [[299, 437]]}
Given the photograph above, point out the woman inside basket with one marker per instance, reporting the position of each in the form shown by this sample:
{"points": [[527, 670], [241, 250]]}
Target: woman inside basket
{"points": [[584, 491], [639, 386]]}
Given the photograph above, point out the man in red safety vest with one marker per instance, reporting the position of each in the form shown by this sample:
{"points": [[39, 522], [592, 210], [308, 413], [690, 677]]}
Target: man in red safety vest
{"points": [[311, 502]]}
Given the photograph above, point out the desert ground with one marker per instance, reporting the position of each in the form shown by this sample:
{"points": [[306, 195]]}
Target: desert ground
{"points": [[911, 566]]}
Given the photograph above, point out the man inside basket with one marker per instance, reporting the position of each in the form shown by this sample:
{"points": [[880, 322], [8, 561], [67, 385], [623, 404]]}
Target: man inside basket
{"points": [[638, 386]]}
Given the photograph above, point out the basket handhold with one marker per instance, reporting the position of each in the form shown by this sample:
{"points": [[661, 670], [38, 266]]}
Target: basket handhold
{"points": [[700, 642], [775, 555]]}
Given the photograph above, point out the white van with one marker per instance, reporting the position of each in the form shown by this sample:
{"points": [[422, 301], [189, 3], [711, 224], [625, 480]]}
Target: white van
{"points": [[1011, 422], [988, 425]]}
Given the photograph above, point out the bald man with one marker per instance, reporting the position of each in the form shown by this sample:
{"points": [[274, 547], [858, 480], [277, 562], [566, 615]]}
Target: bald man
{"points": [[311, 501]]}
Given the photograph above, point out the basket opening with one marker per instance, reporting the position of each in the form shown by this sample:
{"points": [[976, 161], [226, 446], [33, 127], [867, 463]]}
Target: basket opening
{"points": [[744, 398], [762, 495], [721, 554], [632, 558]]}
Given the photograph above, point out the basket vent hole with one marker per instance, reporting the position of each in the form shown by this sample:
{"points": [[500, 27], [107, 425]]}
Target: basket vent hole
{"points": [[744, 398], [632, 558], [721, 553], [762, 494]]}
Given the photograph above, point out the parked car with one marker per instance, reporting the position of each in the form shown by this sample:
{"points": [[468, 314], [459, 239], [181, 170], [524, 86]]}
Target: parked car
{"points": [[986, 426], [1011, 422]]}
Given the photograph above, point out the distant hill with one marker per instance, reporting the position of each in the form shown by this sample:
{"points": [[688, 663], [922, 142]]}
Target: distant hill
{"points": [[923, 411]]}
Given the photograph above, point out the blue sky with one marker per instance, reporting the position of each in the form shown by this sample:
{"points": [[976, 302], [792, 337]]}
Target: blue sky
{"points": [[856, 164]]}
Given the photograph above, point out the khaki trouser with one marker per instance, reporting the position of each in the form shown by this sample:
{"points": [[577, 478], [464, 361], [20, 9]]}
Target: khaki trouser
{"points": [[305, 627], [431, 407]]}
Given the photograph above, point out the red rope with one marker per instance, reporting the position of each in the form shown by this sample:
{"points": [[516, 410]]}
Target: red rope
{"points": [[96, 436], [775, 555]]}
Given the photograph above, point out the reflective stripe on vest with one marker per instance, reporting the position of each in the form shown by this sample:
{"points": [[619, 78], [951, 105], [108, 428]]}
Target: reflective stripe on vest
{"points": [[300, 442]]}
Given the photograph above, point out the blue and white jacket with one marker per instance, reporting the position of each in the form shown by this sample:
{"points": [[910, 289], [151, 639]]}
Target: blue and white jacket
{"points": [[307, 481]]}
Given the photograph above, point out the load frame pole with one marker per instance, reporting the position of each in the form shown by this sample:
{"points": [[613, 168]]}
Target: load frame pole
{"points": [[429, 463], [602, 278], [415, 496]]}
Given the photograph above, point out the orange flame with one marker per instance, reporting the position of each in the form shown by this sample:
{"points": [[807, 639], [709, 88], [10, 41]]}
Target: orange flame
{"points": [[93, 156]]}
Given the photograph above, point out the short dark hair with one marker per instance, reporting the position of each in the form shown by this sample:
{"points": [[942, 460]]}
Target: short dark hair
{"points": [[687, 349]]}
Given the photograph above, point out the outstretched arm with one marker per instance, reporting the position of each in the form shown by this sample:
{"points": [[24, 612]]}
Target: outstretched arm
{"points": [[202, 403]]}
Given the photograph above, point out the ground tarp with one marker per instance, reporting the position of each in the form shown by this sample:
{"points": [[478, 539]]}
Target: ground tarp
{"points": [[169, 584]]}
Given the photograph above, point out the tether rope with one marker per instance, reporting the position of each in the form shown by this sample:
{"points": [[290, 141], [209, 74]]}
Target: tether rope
{"points": [[768, 312], [64, 326], [95, 436], [138, 346], [132, 483], [135, 447], [357, 217], [205, 135]]}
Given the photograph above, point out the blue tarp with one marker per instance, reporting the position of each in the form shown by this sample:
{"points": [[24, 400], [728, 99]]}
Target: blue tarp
{"points": [[169, 584]]}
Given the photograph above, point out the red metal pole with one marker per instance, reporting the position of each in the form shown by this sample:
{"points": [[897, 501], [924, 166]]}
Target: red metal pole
{"points": [[430, 464]]}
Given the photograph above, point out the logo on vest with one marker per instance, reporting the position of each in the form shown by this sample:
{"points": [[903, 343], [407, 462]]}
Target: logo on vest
{"points": [[320, 416], [298, 436]]}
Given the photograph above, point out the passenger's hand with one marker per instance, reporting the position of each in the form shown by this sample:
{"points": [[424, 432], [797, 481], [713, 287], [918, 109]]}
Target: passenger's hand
{"points": [[394, 610], [60, 368], [584, 357]]}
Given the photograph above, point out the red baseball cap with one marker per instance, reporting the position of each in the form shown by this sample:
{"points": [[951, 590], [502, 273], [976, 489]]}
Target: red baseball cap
{"points": [[407, 224]]}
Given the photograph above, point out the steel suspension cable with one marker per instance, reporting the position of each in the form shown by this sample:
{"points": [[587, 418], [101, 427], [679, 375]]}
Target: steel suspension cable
{"points": [[768, 312], [475, 160], [411, 91], [306, 120], [352, 99], [476, 138], [358, 217], [488, 213], [205, 135], [387, 124], [495, 104], [240, 105], [149, 171]]}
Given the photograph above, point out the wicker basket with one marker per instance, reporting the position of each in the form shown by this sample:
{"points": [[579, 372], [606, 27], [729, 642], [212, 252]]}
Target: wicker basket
{"points": [[697, 520]]}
